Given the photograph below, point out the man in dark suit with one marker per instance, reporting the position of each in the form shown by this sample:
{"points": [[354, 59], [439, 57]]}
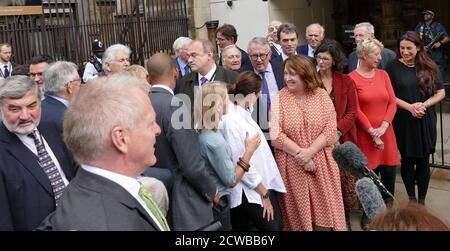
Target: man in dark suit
{"points": [[29, 149], [181, 59], [193, 190], [113, 137], [288, 36], [361, 32], [204, 69], [227, 35], [6, 67], [61, 83], [315, 33]]}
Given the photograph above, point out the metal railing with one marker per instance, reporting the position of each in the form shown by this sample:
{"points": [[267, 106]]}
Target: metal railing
{"points": [[435, 162], [67, 28]]}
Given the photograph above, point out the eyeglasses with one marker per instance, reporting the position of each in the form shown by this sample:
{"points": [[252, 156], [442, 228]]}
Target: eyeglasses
{"points": [[324, 59], [260, 56]]}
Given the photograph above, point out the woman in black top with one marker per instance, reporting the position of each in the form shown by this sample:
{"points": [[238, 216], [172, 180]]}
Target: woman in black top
{"points": [[416, 85]]}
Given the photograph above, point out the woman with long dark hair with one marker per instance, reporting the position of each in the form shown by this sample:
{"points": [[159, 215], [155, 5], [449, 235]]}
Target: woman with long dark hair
{"points": [[417, 86]]}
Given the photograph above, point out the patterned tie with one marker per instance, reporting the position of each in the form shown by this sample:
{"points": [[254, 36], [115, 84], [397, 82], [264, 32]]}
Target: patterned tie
{"points": [[49, 167], [187, 69], [203, 80], [265, 89], [147, 198], [6, 71]]}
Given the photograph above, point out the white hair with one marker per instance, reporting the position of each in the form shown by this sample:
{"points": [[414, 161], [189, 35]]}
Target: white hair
{"points": [[181, 42], [17, 87], [97, 109], [368, 26], [322, 29], [110, 53]]}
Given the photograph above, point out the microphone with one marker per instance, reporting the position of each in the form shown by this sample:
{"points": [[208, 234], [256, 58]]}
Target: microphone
{"points": [[350, 158], [370, 197]]}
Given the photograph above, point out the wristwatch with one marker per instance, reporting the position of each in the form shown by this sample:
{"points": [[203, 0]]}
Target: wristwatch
{"points": [[266, 196]]}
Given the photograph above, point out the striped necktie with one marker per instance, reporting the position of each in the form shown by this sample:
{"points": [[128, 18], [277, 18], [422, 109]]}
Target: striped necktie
{"points": [[147, 198], [49, 167]]}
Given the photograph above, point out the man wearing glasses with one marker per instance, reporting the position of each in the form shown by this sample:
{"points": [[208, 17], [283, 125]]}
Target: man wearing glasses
{"points": [[38, 65], [271, 73], [61, 83]]}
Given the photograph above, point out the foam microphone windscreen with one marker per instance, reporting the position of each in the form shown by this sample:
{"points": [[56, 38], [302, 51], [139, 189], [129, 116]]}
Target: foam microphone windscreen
{"points": [[370, 197], [349, 157]]}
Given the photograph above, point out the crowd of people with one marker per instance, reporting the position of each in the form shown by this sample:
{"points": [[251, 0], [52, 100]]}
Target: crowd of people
{"points": [[242, 143]]}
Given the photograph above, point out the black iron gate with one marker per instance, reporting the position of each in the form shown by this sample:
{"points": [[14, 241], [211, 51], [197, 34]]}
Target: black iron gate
{"points": [[67, 28]]}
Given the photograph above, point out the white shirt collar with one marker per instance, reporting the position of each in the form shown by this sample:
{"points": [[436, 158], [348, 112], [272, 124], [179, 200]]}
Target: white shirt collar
{"points": [[311, 51], [165, 87], [210, 75], [128, 183]]}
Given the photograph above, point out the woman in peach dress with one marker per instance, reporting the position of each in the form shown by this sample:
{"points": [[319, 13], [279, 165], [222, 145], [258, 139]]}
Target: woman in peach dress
{"points": [[303, 132]]}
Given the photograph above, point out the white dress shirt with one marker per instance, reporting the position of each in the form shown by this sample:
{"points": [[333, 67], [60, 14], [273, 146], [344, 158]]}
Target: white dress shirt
{"points": [[130, 184], [90, 72], [271, 82], [2, 69], [29, 143], [211, 75], [311, 51], [263, 169]]}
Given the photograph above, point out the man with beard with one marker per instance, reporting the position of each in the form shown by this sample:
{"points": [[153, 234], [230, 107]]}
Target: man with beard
{"points": [[35, 166]]}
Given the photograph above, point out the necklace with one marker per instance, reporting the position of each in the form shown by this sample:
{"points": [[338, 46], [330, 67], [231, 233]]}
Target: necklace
{"points": [[409, 65]]}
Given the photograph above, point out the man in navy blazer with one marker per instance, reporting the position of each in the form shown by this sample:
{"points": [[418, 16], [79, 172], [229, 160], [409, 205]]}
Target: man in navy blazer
{"points": [[193, 191], [181, 59], [288, 37], [315, 33], [362, 31], [61, 83], [26, 195]]}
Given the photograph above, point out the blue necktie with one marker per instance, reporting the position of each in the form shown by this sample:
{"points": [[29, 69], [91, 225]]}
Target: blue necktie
{"points": [[187, 69], [49, 167], [265, 90]]}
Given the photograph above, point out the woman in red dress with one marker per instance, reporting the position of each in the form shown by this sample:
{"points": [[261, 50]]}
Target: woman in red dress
{"points": [[377, 107]]}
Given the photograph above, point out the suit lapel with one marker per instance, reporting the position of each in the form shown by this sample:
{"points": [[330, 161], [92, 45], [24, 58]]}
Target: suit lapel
{"points": [[106, 186], [24, 156]]}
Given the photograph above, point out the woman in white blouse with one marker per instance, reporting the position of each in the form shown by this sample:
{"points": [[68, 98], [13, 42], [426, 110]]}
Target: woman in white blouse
{"points": [[254, 202]]}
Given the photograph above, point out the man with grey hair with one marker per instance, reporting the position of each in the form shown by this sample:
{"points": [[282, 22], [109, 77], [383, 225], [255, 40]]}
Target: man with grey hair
{"points": [[115, 59], [35, 166], [271, 73], [315, 33], [113, 136], [61, 83], [231, 58], [362, 31], [181, 59], [204, 69]]}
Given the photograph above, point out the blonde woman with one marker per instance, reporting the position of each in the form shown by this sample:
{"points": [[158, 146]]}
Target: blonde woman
{"points": [[138, 71], [216, 152], [377, 108]]}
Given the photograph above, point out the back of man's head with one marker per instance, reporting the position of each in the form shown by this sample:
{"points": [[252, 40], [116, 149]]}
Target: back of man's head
{"points": [[58, 75], [162, 70], [99, 107]]}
